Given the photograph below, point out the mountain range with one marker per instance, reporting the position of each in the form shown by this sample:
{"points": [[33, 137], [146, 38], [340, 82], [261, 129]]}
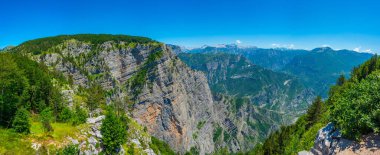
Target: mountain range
{"points": [[318, 68], [210, 100]]}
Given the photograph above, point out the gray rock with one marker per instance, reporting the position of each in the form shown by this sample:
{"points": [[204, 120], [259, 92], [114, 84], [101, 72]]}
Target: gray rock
{"points": [[73, 141], [326, 140], [92, 140], [305, 153], [149, 152], [94, 120], [136, 142]]}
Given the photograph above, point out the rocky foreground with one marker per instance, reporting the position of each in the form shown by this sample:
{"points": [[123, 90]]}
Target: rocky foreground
{"points": [[330, 142]]}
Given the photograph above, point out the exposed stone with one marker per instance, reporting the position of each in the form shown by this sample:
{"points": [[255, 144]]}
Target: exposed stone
{"points": [[92, 140], [173, 99], [149, 152], [330, 142], [93, 120], [136, 142], [36, 146], [73, 141]]}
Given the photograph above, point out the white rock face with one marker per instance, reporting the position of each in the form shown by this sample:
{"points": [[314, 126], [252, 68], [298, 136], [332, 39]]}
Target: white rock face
{"points": [[94, 120], [326, 141]]}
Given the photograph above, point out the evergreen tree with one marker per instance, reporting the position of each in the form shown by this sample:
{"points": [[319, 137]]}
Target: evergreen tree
{"points": [[12, 87], [95, 97], [80, 116], [314, 112], [46, 117], [114, 133], [21, 121], [341, 80]]}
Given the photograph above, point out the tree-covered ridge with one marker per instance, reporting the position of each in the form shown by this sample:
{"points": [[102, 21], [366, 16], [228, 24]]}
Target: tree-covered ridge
{"points": [[353, 106], [38, 46], [320, 67], [33, 109]]}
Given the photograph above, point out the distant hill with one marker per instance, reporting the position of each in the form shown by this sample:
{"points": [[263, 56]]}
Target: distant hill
{"points": [[346, 123], [321, 67], [317, 68], [274, 59]]}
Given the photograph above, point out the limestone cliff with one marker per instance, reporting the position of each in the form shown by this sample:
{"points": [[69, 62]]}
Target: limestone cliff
{"points": [[168, 98]]}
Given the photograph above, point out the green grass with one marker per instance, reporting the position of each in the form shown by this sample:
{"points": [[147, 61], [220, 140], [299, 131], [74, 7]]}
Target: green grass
{"points": [[14, 143]]}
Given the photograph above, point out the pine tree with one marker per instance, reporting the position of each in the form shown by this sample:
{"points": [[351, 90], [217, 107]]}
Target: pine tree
{"points": [[21, 121], [341, 80], [12, 88], [114, 133], [45, 117], [314, 112], [95, 97]]}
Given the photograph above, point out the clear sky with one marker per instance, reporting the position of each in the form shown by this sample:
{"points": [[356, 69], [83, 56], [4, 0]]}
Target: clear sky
{"points": [[350, 24]]}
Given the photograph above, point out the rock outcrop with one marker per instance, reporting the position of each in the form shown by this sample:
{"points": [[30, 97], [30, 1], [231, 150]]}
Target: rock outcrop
{"points": [[330, 142], [170, 101]]}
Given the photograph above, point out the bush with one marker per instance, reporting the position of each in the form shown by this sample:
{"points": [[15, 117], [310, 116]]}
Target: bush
{"points": [[217, 133], [46, 117], [65, 115], [80, 116], [70, 150], [114, 133], [21, 121], [355, 110], [160, 147]]}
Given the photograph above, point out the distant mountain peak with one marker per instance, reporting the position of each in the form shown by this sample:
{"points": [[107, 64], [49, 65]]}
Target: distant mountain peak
{"points": [[322, 49]]}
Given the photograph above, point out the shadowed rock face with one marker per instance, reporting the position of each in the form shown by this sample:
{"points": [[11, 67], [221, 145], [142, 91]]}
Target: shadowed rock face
{"points": [[172, 100]]}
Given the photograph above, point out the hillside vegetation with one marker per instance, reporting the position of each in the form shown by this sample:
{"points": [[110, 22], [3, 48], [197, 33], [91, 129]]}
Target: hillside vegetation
{"points": [[352, 106], [42, 110]]}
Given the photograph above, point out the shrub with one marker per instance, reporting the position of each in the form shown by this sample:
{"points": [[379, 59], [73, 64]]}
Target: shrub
{"points": [[114, 133], [160, 147], [217, 133], [71, 150], [65, 115], [355, 110], [45, 117], [21, 121], [80, 116]]}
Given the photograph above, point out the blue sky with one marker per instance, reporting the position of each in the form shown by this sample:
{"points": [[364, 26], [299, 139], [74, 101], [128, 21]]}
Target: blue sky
{"points": [[304, 24]]}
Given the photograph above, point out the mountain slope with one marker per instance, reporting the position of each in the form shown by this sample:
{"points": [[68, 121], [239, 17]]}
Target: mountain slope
{"points": [[317, 68], [154, 87], [234, 75], [352, 110], [274, 59], [321, 67]]}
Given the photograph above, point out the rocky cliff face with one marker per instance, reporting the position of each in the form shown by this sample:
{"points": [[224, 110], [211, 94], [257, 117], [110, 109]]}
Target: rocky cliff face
{"points": [[235, 75], [170, 99]]}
